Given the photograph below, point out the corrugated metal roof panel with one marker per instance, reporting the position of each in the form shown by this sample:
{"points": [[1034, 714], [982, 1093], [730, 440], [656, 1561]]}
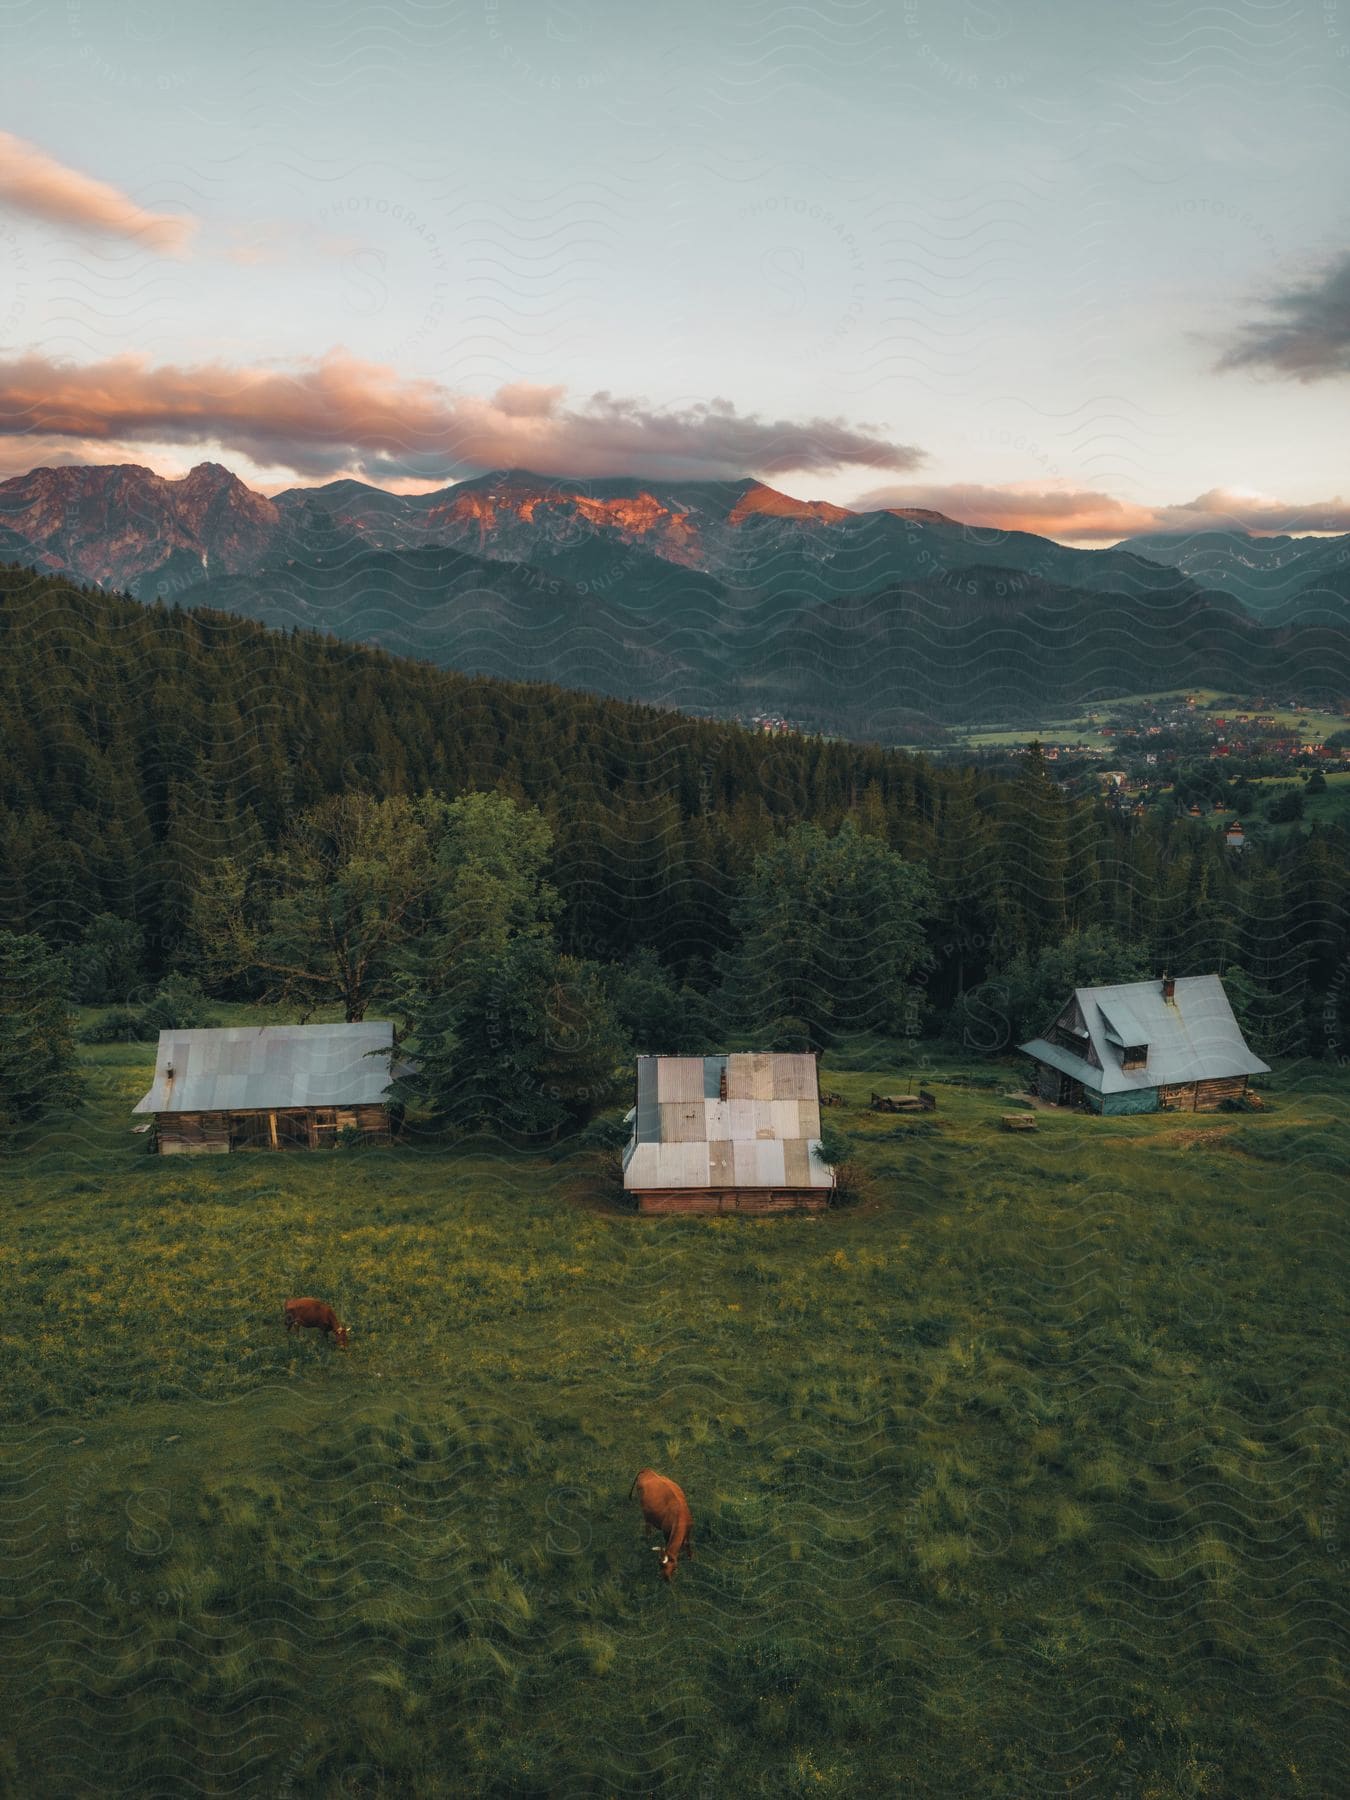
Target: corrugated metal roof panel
{"points": [[1063, 1060], [794, 1077], [641, 1168], [740, 1077], [797, 1163], [683, 1165], [223, 1093], [1121, 1023], [259, 1067], [647, 1124], [686, 1136], [718, 1116], [679, 1078], [785, 1117], [743, 1162], [684, 1122], [742, 1118], [770, 1163]]}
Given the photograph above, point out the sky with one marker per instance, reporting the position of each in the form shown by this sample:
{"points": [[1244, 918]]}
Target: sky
{"points": [[1074, 267]]}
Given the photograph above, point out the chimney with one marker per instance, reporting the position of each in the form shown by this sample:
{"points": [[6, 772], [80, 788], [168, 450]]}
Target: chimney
{"points": [[1169, 988]]}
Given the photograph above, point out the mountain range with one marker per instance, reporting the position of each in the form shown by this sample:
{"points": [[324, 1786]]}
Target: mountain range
{"points": [[1277, 576], [708, 595]]}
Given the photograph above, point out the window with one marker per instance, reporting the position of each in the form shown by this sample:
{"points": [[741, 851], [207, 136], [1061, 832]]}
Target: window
{"points": [[1134, 1056]]}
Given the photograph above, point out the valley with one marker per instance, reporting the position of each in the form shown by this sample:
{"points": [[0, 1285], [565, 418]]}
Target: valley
{"points": [[721, 598], [674, 901]]}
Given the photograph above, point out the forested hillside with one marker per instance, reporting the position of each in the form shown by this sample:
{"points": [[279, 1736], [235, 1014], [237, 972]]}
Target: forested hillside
{"points": [[721, 597], [141, 744]]}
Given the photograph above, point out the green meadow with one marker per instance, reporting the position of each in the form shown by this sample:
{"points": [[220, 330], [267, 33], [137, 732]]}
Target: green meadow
{"points": [[1021, 1476], [1330, 807], [1309, 723]]}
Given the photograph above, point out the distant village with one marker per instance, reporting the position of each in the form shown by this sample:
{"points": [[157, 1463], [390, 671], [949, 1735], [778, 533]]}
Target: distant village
{"points": [[1200, 754], [1150, 733]]}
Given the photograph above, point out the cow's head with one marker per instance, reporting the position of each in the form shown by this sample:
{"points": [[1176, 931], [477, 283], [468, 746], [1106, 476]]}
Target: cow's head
{"points": [[668, 1562], [340, 1337]]}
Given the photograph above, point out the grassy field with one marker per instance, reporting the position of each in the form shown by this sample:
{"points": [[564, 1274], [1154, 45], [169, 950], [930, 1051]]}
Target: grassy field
{"points": [[1329, 808], [1073, 724], [1022, 1477]]}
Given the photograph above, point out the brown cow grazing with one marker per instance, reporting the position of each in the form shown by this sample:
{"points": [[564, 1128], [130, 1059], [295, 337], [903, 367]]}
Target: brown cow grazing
{"points": [[664, 1508], [307, 1312]]}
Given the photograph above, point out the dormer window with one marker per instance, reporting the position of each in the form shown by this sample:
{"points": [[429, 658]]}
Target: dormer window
{"points": [[1124, 1034]]}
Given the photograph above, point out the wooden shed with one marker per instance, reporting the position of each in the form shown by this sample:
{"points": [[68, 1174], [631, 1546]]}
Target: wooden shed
{"points": [[271, 1087], [1145, 1046], [734, 1133]]}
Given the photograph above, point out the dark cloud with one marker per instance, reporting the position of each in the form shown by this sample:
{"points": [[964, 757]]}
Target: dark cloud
{"points": [[1307, 335]]}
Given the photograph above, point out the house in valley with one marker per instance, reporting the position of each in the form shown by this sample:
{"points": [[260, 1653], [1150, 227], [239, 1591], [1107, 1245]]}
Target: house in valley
{"points": [[1145, 1046], [272, 1087], [734, 1133]]}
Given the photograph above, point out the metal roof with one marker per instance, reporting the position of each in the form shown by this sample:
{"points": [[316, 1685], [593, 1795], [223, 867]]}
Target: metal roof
{"points": [[764, 1133], [246, 1068], [1192, 1037], [1121, 1025]]}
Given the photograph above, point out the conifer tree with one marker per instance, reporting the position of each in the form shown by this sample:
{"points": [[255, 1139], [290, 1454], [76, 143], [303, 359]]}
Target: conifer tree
{"points": [[832, 933], [37, 1051]]}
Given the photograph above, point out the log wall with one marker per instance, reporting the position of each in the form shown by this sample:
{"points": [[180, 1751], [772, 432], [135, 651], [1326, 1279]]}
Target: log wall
{"points": [[192, 1134], [282, 1128], [1201, 1096]]}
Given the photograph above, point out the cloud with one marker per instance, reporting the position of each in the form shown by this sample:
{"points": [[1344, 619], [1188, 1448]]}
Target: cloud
{"points": [[339, 413], [1306, 337], [33, 182], [527, 400], [1083, 515]]}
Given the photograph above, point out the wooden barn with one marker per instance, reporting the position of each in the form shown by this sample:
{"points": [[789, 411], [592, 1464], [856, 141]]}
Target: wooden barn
{"points": [[271, 1087], [1145, 1046], [727, 1134]]}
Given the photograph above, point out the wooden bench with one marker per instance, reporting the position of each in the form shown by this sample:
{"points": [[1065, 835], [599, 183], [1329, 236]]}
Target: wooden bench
{"points": [[923, 1101], [1018, 1121]]}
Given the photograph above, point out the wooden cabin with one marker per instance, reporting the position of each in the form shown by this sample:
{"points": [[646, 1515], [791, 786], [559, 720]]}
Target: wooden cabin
{"points": [[1145, 1046], [271, 1087], [736, 1133]]}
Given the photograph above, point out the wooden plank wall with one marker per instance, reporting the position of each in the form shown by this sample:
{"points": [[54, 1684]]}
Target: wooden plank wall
{"points": [[1201, 1096], [1210, 1094], [285, 1128], [192, 1134]]}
